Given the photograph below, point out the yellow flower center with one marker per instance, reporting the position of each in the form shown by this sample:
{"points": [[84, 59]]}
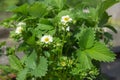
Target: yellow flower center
{"points": [[46, 39], [66, 19]]}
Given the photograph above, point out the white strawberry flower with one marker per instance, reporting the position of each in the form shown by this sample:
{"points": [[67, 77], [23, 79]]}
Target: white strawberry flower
{"points": [[19, 30], [47, 39], [66, 19], [20, 24]]}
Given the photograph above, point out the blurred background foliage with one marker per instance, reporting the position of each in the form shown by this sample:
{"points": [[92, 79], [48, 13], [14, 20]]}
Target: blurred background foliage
{"points": [[6, 4]]}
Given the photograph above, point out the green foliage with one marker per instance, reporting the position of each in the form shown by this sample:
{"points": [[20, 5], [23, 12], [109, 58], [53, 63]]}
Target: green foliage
{"points": [[38, 10], [56, 3], [90, 49], [1, 45], [95, 50], [15, 63], [30, 60], [88, 74], [22, 9], [45, 27], [61, 39], [84, 60], [105, 5], [42, 68], [104, 19], [31, 40], [22, 74], [5, 4], [101, 52], [91, 3], [6, 68], [6, 72], [86, 38], [64, 12], [111, 28]]}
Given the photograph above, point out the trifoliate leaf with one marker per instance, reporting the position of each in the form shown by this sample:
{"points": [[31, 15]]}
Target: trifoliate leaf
{"points": [[22, 74], [101, 52], [84, 59], [41, 69], [86, 38], [15, 62]]}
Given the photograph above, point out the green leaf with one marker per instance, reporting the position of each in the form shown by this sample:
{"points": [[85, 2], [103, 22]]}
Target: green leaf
{"points": [[41, 69], [108, 35], [15, 62], [91, 3], [2, 43], [31, 40], [56, 3], [45, 21], [73, 3], [24, 58], [84, 59], [22, 74], [47, 54], [111, 28], [6, 68], [104, 19], [22, 9], [101, 53], [51, 32], [38, 10], [86, 38], [45, 27], [105, 5], [31, 60], [60, 3]]}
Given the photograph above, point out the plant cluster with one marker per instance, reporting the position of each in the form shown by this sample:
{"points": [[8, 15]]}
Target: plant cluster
{"points": [[60, 40], [6, 73]]}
